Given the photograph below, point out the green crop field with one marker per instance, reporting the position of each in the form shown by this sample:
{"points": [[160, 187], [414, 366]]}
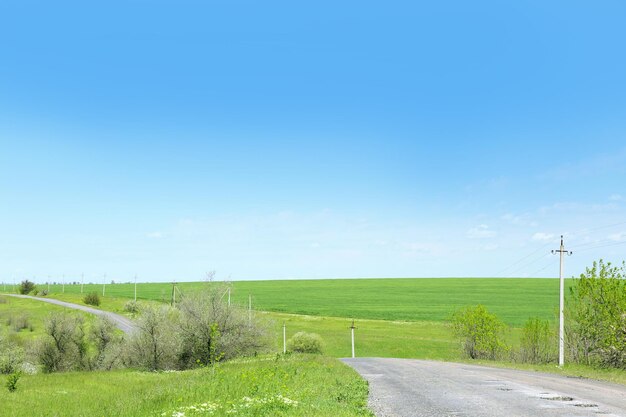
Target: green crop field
{"points": [[514, 300]]}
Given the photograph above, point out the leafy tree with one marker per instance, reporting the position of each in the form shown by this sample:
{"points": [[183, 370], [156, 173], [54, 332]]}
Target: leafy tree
{"points": [[26, 287], [480, 332], [597, 313]]}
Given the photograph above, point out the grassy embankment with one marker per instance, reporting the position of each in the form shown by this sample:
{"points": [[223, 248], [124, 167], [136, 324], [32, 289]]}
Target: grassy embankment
{"points": [[290, 386]]}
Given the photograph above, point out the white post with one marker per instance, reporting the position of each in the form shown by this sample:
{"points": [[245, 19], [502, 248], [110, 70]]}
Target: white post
{"points": [[135, 287], [82, 282], [561, 308], [352, 329], [104, 279], [561, 252], [63, 284], [284, 337]]}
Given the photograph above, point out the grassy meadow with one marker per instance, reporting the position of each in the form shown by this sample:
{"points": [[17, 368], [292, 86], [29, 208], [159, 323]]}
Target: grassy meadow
{"points": [[293, 385], [18, 312]]}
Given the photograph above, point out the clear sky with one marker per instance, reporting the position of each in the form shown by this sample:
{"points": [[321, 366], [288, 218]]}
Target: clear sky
{"points": [[310, 139]]}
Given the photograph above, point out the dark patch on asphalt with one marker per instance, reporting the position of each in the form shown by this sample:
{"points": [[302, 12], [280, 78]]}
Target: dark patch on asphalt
{"points": [[586, 405], [557, 398]]}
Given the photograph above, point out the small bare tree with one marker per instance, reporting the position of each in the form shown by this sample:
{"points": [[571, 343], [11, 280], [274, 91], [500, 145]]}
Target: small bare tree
{"points": [[65, 347], [211, 330], [156, 343]]}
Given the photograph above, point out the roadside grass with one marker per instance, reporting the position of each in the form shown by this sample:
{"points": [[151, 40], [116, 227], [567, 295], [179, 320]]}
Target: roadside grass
{"points": [[34, 312], [617, 376], [514, 300], [291, 385]]}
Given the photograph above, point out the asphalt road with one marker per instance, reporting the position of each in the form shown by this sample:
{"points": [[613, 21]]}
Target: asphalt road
{"points": [[406, 387], [124, 324]]}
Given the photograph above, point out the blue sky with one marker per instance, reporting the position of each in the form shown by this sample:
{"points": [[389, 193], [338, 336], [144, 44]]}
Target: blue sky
{"points": [[332, 139]]}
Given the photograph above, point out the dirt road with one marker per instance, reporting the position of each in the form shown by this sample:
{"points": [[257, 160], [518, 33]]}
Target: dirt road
{"points": [[405, 387]]}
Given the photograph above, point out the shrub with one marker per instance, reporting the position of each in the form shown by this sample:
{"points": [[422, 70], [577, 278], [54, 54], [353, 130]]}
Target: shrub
{"points": [[12, 379], [64, 348], [19, 323], [107, 343], [43, 293], [480, 332], [26, 287], [538, 344], [597, 313], [305, 343], [212, 331], [11, 357], [155, 344], [92, 299], [131, 306]]}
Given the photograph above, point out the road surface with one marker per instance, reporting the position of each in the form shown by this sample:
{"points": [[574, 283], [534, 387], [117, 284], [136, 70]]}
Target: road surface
{"points": [[124, 324], [416, 388]]}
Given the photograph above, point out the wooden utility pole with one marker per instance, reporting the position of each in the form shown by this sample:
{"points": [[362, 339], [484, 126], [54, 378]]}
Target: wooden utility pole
{"points": [[561, 251]]}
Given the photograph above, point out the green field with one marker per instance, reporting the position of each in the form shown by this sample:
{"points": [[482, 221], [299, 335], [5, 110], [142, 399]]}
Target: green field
{"points": [[514, 300]]}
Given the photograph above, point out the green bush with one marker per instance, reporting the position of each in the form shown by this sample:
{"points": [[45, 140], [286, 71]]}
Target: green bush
{"points": [[480, 332], [12, 379], [596, 329], [538, 344], [26, 287], [305, 343], [11, 357], [19, 323], [131, 306], [92, 299]]}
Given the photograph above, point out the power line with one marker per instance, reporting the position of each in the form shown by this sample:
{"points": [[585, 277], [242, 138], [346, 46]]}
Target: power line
{"points": [[601, 246], [524, 258]]}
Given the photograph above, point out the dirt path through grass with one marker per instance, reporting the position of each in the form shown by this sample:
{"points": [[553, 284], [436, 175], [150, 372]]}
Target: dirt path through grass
{"points": [[124, 324]]}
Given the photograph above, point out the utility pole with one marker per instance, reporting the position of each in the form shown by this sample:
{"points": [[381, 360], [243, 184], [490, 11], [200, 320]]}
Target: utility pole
{"points": [[173, 294], [63, 285], [352, 329], [561, 251], [249, 309], [104, 283]]}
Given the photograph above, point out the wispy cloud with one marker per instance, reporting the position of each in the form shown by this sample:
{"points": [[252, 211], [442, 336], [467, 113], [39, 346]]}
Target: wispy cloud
{"points": [[618, 237], [616, 197], [542, 236], [155, 235], [481, 232]]}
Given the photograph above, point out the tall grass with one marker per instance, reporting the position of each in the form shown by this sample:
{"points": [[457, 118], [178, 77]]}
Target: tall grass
{"points": [[286, 386]]}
